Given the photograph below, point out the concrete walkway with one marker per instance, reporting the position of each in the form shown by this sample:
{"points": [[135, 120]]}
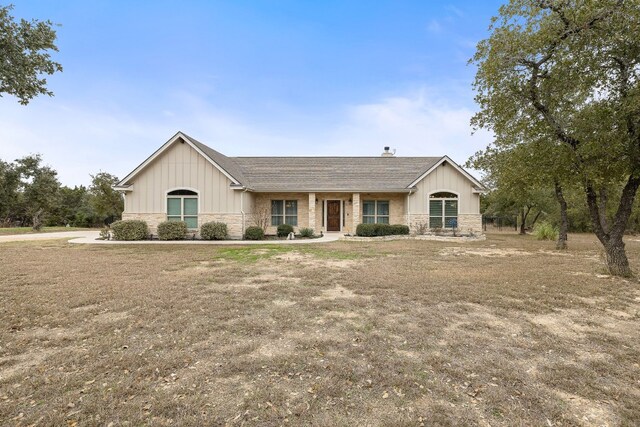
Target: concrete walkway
{"points": [[49, 236], [89, 237]]}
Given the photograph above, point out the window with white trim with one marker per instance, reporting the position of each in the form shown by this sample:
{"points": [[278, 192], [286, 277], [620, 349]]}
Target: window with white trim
{"points": [[375, 212], [443, 210], [182, 205], [284, 212]]}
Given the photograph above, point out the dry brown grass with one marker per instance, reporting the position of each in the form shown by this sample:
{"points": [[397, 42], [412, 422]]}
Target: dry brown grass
{"points": [[501, 332]]}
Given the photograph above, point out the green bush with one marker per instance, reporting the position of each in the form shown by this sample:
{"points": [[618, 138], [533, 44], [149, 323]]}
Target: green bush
{"points": [[254, 233], [172, 230], [306, 232], [284, 230], [214, 231], [399, 229], [545, 231], [365, 230], [130, 229], [371, 230]]}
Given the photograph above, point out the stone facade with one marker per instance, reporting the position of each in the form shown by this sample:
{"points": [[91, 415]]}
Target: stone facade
{"points": [[357, 210], [470, 223], [263, 203], [397, 205], [347, 215], [467, 223], [418, 223], [152, 219], [233, 221], [312, 211]]}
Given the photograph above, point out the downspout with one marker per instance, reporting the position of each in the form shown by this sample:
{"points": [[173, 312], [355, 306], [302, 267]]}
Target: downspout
{"points": [[409, 209]]}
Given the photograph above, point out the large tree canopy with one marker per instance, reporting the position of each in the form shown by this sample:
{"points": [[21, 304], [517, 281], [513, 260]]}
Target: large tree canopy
{"points": [[25, 56], [567, 72]]}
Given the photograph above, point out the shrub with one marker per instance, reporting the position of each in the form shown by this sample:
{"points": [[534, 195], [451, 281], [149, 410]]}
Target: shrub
{"points": [[365, 230], [214, 231], [284, 230], [130, 229], [254, 233], [399, 229], [172, 230], [306, 232], [545, 231], [370, 230]]}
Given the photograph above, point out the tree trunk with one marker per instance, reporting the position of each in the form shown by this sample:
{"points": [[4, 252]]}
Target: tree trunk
{"points": [[617, 261], [523, 215], [535, 219], [37, 219], [564, 219], [611, 237]]}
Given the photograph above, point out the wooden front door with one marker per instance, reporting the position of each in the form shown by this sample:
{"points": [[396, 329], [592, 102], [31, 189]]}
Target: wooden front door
{"points": [[333, 215]]}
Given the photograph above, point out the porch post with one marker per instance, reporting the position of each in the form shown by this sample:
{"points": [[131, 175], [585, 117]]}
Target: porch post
{"points": [[356, 211], [312, 212]]}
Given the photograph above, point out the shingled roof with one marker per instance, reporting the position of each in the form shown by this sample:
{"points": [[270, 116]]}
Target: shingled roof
{"points": [[332, 173], [286, 174]]}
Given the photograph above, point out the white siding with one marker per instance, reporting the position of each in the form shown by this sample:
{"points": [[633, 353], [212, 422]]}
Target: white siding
{"points": [[180, 166], [445, 178]]}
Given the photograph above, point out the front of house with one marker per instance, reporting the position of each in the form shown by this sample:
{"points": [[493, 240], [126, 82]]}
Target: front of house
{"points": [[187, 180]]}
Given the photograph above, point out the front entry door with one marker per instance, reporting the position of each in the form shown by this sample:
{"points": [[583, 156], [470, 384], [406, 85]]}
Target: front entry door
{"points": [[333, 215]]}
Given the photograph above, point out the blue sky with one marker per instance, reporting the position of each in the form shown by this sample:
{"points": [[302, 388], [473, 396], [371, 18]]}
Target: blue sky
{"points": [[250, 78]]}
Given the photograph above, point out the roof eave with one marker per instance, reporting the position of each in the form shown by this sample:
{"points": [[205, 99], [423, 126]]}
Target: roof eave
{"points": [[334, 190]]}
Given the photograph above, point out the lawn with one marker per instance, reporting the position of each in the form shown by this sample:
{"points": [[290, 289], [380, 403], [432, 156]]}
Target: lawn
{"points": [[29, 230], [501, 332]]}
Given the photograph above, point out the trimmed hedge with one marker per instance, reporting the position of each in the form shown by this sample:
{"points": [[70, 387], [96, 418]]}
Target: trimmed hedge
{"points": [[284, 230], [172, 230], [373, 230], [254, 233], [214, 231], [306, 232], [130, 229], [399, 229]]}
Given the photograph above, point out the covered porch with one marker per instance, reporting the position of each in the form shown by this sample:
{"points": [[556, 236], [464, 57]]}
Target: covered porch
{"points": [[330, 212]]}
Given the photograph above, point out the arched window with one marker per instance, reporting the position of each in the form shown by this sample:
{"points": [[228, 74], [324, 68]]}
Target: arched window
{"points": [[182, 205], [443, 210]]}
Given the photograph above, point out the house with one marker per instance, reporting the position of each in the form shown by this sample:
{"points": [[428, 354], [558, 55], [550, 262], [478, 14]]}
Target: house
{"points": [[187, 180]]}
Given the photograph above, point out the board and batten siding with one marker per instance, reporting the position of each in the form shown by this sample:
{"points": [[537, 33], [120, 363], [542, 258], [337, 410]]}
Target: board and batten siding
{"points": [[445, 178], [180, 166]]}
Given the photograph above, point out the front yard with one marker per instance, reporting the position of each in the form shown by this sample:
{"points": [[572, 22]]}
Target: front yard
{"points": [[505, 331]]}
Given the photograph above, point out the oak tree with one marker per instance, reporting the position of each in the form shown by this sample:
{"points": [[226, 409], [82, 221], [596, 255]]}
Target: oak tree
{"points": [[567, 72]]}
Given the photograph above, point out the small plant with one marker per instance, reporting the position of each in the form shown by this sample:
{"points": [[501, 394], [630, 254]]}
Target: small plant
{"points": [[545, 231], [421, 227], [172, 230], [284, 230], [214, 231], [306, 232], [130, 229], [254, 233], [105, 233]]}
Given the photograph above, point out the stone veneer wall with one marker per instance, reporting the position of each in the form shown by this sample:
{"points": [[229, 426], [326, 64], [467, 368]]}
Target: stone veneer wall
{"points": [[470, 223], [467, 223], [233, 221], [263, 201], [152, 219]]}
